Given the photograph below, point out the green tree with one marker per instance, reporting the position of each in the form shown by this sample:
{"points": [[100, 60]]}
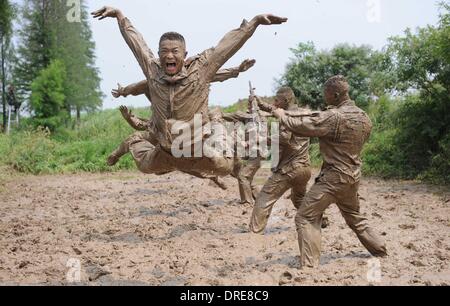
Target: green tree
{"points": [[422, 64], [47, 95], [36, 46], [414, 140], [7, 12], [48, 34], [310, 68], [76, 49]]}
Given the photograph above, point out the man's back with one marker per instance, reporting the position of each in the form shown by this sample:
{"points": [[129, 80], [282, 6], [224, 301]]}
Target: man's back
{"points": [[342, 147]]}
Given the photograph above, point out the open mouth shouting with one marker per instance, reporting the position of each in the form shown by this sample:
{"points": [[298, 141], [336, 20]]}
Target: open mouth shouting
{"points": [[171, 68]]}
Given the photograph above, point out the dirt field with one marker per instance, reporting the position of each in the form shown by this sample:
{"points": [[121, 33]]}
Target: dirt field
{"points": [[134, 229]]}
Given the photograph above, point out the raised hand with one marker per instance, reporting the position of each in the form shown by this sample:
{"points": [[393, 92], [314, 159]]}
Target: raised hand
{"points": [[117, 92], [265, 106], [106, 12], [246, 65], [126, 113], [268, 19]]}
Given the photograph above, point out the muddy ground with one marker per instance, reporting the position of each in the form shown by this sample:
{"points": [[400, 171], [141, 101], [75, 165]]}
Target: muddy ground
{"points": [[134, 229]]}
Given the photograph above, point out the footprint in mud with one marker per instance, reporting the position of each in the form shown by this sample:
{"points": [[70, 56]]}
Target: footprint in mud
{"points": [[145, 212], [95, 272], [277, 230], [225, 270], [215, 202], [152, 191], [127, 238], [158, 272], [179, 230], [328, 258], [108, 237], [177, 281]]}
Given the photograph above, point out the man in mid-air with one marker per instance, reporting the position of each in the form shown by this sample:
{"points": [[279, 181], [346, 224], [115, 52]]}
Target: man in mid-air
{"points": [[178, 93], [143, 125]]}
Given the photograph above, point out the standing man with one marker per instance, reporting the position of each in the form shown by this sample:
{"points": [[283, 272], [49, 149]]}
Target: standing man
{"points": [[293, 170], [342, 131], [253, 118]]}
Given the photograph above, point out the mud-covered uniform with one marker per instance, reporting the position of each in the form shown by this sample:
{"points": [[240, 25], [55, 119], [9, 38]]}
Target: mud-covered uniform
{"points": [[342, 132], [179, 98], [141, 88], [292, 172], [145, 125], [250, 166]]}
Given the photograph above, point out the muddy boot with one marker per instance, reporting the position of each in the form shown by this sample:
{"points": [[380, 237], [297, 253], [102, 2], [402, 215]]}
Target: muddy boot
{"points": [[115, 156]]}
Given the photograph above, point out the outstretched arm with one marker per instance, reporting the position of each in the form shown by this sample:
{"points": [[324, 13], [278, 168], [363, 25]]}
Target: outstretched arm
{"points": [[141, 88], [133, 38], [234, 40], [135, 89], [136, 123], [237, 117], [225, 74], [317, 124], [263, 105]]}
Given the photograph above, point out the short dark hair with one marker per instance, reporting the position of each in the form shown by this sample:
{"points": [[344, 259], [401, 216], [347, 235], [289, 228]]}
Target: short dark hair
{"points": [[339, 84], [172, 36], [288, 96]]}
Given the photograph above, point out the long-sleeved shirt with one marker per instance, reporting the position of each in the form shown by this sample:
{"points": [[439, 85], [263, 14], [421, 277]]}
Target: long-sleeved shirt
{"points": [[141, 88], [342, 133], [182, 96], [259, 147], [294, 149]]}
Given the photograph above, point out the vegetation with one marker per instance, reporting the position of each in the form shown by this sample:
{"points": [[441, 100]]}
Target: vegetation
{"points": [[48, 35], [404, 88], [68, 150]]}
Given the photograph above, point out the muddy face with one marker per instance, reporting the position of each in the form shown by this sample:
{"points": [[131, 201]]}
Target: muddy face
{"points": [[277, 102], [172, 54], [330, 95], [281, 102]]}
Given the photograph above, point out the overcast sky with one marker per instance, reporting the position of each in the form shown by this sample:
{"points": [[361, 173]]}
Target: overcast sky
{"points": [[204, 22]]}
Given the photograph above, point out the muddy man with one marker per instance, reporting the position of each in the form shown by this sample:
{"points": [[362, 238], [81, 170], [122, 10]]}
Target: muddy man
{"points": [[178, 92], [342, 130]]}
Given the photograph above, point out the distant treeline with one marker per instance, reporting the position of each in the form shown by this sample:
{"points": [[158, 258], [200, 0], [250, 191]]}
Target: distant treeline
{"points": [[405, 88], [51, 64]]}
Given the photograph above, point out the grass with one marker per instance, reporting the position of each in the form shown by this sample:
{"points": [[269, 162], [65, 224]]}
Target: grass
{"points": [[83, 149]]}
